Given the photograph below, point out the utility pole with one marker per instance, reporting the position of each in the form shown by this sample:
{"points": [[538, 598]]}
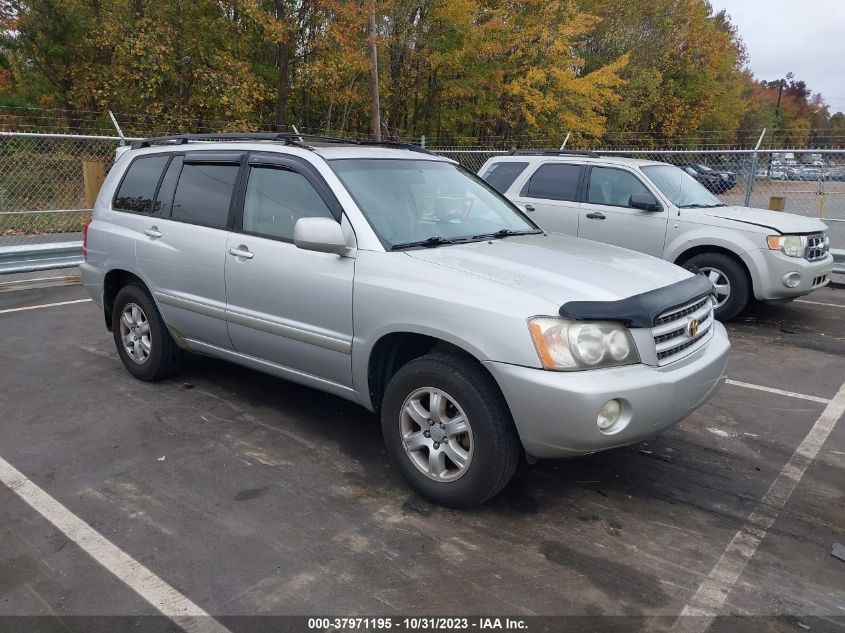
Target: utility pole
{"points": [[374, 74], [781, 86]]}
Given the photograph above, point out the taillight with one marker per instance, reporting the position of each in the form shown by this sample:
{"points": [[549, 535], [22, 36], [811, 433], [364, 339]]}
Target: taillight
{"points": [[85, 240]]}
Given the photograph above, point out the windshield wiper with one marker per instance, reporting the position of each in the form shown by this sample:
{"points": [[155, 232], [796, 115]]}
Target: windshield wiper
{"points": [[701, 206], [504, 233], [429, 242]]}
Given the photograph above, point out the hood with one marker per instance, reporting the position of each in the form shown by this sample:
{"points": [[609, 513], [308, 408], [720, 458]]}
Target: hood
{"points": [[557, 267], [775, 220]]}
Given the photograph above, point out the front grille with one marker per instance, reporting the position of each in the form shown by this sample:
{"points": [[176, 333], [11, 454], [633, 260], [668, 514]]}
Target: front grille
{"points": [[672, 335], [819, 281], [675, 315], [818, 246]]}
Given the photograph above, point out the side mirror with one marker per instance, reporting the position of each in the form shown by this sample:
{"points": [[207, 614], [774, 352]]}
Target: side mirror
{"points": [[323, 235], [644, 201]]}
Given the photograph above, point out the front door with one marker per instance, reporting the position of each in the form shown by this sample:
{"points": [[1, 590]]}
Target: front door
{"points": [[606, 214], [286, 305]]}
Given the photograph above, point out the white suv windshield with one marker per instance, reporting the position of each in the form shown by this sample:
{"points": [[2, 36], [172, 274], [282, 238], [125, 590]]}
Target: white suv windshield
{"points": [[682, 189], [427, 203]]}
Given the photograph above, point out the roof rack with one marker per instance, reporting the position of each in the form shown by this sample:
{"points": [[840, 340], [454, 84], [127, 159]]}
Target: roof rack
{"points": [[552, 152], [288, 138]]}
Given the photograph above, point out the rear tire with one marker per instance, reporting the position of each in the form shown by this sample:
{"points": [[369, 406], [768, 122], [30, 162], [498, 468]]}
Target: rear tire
{"points": [[142, 339], [452, 464], [733, 288]]}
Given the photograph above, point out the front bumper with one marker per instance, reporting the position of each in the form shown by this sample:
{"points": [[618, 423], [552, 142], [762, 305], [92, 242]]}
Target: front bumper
{"points": [[771, 266], [555, 412]]}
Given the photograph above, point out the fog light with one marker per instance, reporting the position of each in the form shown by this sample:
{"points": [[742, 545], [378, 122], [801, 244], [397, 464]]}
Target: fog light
{"points": [[791, 280], [609, 415]]}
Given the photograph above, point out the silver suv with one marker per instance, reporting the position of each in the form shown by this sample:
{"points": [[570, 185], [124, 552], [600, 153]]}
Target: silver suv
{"points": [[659, 209], [392, 277]]}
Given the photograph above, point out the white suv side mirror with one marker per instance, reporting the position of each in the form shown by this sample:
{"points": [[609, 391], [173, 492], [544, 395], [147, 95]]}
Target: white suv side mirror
{"points": [[323, 235]]}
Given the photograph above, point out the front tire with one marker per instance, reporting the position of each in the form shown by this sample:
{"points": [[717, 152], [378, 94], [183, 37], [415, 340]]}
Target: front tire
{"points": [[448, 430], [143, 342], [731, 283]]}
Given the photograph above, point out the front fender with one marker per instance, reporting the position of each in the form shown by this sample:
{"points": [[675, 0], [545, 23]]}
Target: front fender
{"points": [[395, 293]]}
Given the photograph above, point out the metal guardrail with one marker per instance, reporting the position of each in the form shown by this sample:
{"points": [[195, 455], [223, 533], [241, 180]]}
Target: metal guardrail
{"points": [[29, 258], [838, 261]]}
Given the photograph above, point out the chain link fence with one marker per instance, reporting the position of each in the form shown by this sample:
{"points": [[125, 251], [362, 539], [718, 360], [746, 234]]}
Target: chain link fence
{"points": [[42, 193]]}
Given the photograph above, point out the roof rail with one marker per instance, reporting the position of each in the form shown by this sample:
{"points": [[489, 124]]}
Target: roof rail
{"points": [[552, 152], [288, 138], [181, 139]]}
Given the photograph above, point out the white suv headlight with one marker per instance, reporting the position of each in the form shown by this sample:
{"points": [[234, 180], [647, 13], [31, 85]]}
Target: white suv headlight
{"points": [[789, 245], [565, 345]]}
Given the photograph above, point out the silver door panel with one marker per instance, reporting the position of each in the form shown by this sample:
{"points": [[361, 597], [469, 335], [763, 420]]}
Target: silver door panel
{"points": [[184, 269], [291, 307]]}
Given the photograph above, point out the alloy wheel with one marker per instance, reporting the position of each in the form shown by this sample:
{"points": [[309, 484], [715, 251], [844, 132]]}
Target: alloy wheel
{"points": [[436, 434], [135, 333], [721, 284]]}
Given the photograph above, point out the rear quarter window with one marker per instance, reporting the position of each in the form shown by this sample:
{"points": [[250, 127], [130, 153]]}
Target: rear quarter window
{"points": [[501, 176], [138, 187]]}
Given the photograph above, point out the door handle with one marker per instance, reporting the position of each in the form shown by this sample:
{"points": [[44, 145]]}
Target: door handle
{"points": [[529, 207], [241, 251], [596, 215], [152, 232]]}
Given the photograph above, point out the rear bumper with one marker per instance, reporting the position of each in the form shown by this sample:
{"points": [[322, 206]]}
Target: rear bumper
{"points": [[771, 267], [92, 280], [555, 412]]}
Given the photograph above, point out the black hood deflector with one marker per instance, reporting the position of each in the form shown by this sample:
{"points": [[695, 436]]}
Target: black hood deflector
{"points": [[640, 310]]}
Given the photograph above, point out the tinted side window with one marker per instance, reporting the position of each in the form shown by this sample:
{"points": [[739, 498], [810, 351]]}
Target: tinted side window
{"points": [[204, 192], [164, 198], [276, 198], [613, 187], [139, 184], [500, 176], [555, 182]]}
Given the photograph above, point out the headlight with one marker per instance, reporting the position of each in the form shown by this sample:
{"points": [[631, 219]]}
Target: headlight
{"points": [[790, 245], [571, 345]]}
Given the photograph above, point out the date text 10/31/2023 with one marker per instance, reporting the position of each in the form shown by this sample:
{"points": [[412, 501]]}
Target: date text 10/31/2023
{"points": [[416, 624]]}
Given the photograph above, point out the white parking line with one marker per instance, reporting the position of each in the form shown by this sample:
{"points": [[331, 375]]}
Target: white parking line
{"points": [[820, 303], [43, 305], [780, 392], [145, 583], [713, 592]]}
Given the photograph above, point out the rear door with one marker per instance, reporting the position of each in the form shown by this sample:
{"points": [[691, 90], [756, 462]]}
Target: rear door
{"points": [[287, 305], [550, 196], [606, 214], [182, 252]]}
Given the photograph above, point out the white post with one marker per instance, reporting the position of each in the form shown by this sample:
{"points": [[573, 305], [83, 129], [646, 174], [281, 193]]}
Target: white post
{"points": [[565, 141], [117, 127]]}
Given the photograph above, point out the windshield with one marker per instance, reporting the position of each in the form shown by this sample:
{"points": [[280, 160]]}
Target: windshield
{"points": [[682, 189], [412, 201]]}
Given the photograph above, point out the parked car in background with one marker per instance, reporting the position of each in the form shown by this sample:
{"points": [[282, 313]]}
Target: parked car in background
{"points": [[390, 276], [777, 171], [709, 179], [664, 211], [728, 177]]}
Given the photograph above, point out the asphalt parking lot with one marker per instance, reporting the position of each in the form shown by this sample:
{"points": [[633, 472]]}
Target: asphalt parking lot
{"points": [[248, 495]]}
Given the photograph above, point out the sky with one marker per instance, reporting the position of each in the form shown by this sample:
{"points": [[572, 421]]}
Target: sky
{"points": [[802, 37]]}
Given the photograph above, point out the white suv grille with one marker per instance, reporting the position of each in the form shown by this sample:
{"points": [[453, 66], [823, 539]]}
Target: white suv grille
{"points": [[818, 246], [673, 336]]}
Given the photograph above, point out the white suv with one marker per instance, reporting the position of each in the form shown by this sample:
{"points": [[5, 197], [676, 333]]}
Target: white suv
{"points": [[658, 209]]}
